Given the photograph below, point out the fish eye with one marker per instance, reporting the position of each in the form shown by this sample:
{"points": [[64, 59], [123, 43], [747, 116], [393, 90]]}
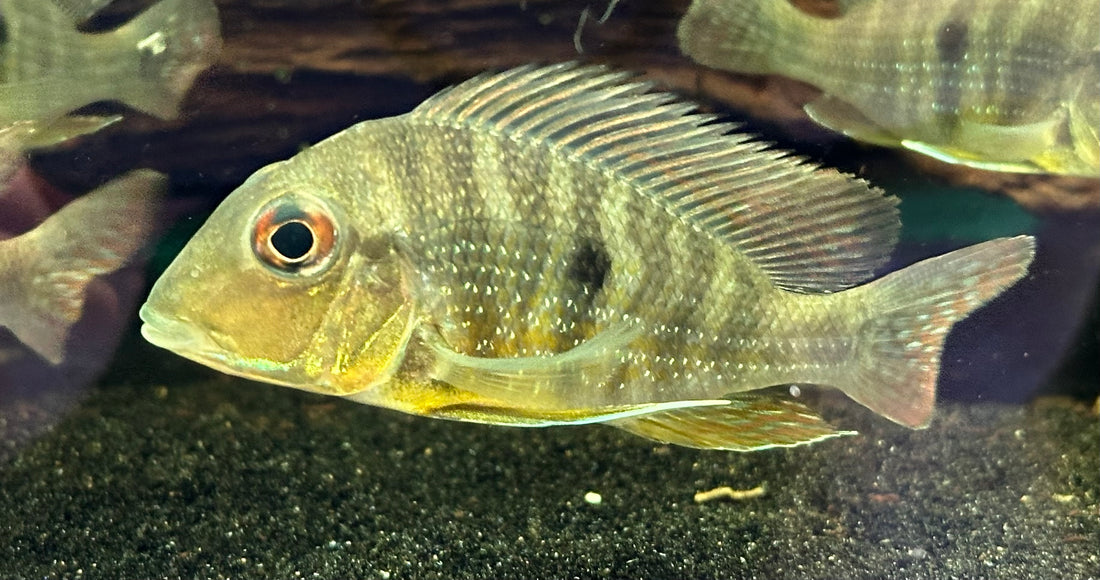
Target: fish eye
{"points": [[294, 236]]}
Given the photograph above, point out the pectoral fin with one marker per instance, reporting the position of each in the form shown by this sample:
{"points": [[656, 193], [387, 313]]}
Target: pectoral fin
{"points": [[749, 422], [1008, 148], [957, 156], [540, 381], [840, 116]]}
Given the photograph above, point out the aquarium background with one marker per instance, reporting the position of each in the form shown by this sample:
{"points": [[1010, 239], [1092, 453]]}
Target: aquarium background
{"points": [[162, 468]]}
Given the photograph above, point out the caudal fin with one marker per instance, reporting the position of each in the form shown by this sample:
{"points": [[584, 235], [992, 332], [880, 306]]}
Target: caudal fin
{"points": [[914, 309], [739, 36], [48, 269], [168, 45]]}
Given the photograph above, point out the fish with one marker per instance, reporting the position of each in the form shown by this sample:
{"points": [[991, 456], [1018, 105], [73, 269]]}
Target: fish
{"points": [[561, 245], [46, 273], [48, 68], [1002, 85], [81, 10]]}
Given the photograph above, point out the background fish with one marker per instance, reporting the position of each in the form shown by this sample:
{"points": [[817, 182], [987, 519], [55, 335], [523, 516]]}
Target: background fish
{"points": [[45, 273], [1006, 85], [81, 10], [557, 245], [48, 68]]}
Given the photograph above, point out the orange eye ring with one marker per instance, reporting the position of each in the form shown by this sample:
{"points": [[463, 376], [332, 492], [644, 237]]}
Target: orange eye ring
{"points": [[294, 237]]}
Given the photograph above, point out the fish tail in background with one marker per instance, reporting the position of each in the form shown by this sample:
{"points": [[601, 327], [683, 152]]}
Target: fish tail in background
{"points": [[913, 311], [80, 10], [167, 46], [757, 34], [49, 268]]}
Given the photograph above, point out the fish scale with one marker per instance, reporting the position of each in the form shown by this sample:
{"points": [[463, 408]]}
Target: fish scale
{"points": [[561, 245], [956, 82], [648, 281]]}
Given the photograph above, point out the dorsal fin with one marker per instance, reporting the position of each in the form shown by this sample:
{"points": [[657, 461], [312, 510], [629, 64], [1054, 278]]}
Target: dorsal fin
{"points": [[809, 229]]}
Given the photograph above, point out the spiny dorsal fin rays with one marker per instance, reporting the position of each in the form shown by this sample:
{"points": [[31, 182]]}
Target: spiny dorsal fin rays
{"points": [[540, 87], [809, 229]]}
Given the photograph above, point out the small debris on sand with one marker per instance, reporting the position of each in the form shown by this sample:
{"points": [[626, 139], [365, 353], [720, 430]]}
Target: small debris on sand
{"points": [[726, 492]]}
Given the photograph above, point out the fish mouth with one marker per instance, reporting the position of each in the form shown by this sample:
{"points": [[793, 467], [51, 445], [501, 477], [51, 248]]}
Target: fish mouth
{"points": [[178, 336], [184, 338]]}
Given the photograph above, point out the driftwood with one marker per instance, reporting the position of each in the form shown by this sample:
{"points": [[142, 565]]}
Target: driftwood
{"points": [[295, 71]]}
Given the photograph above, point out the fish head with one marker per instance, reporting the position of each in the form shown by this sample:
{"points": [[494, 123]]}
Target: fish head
{"points": [[278, 286]]}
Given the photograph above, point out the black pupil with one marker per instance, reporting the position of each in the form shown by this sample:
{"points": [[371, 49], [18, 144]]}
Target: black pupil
{"points": [[293, 240]]}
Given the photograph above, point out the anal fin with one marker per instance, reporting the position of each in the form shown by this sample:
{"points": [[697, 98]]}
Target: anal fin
{"points": [[518, 416], [750, 422]]}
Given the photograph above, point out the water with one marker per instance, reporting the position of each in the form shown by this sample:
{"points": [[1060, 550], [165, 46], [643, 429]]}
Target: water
{"points": [[162, 468]]}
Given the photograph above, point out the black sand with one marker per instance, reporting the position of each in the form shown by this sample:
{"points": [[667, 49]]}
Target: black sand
{"points": [[219, 478]]}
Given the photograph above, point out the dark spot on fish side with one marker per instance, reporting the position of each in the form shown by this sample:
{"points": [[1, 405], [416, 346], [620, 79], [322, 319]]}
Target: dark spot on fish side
{"points": [[589, 265], [952, 41], [3, 33]]}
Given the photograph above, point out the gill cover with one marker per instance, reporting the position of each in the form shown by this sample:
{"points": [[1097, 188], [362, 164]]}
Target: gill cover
{"points": [[276, 286]]}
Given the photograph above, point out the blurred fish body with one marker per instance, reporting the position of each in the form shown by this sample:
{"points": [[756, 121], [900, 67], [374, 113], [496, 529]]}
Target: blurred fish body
{"points": [[44, 273], [48, 68], [559, 245], [1007, 85]]}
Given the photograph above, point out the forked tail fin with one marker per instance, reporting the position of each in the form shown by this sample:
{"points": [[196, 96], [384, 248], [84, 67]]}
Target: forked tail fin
{"points": [[914, 309], [50, 267], [168, 45]]}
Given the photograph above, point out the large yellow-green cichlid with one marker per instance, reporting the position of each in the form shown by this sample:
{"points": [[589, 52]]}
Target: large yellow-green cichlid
{"points": [[557, 245], [1008, 85], [49, 68]]}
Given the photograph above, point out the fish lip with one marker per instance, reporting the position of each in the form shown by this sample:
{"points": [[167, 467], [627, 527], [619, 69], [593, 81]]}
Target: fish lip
{"points": [[176, 335], [188, 340]]}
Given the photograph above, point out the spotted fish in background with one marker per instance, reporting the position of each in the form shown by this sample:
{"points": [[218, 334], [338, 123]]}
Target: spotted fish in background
{"points": [[558, 245], [1007, 85], [48, 68], [44, 273]]}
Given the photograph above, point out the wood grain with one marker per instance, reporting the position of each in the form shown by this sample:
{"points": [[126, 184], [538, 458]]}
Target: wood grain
{"points": [[295, 71]]}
